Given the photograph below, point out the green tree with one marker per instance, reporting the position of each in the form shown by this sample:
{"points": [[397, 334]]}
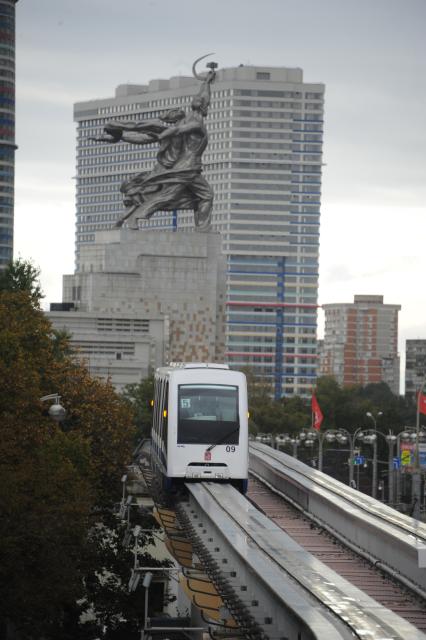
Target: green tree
{"points": [[287, 415], [61, 343], [297, 414], [140, 396], [22, 275]]}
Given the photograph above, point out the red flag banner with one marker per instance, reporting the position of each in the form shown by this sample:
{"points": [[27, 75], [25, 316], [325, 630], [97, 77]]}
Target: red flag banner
{"points": [[317, 416], [421, 400]]}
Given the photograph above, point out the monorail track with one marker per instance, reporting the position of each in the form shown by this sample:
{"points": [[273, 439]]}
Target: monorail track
{"points": [[280, 572], [288, 591], [390, 540], [406, 525], [345, 562]]}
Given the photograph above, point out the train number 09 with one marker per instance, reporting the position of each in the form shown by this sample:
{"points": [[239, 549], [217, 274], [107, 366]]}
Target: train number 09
{"points": [[230, 449]]}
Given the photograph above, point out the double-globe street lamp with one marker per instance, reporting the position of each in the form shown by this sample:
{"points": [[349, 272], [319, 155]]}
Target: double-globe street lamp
{"points": [[343, 436], [283, 439], [277, 441], [340, 436], [307, 437], [369, 436]]}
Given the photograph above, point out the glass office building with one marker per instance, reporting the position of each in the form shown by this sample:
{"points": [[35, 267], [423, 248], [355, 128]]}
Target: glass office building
{"points": [[264, 163], [7, 128]]}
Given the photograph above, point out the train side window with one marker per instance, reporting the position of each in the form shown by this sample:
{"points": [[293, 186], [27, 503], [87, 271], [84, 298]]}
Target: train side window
{"points": [[156, 401], [161, 410], [157, 406], [165, 414]]}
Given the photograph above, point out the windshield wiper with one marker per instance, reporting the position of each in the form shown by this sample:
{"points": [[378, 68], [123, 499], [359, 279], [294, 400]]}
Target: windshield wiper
{"points": [[225, 437]]}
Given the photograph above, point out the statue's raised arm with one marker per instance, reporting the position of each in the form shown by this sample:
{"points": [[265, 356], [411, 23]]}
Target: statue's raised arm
{"points": [[204, 93], [176, 181]]}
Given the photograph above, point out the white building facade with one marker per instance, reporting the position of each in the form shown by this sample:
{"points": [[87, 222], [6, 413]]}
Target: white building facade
{"points": [[264, 163], [122, 347]]}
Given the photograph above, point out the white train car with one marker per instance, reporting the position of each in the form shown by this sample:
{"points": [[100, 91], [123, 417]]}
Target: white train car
{"points": [[200, 425]]}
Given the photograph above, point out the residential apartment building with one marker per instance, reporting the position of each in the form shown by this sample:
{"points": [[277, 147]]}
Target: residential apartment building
{"points": [[415, 367], [263, 161], [7, 129], [361, 342]]}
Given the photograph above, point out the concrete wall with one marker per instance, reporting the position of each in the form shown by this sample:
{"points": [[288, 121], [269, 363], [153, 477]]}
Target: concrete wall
{"points": [[123, 347], [178, 276]]}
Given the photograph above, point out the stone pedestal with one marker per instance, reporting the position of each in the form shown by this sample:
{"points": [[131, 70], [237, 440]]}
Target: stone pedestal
{"points": [[176, 275]]}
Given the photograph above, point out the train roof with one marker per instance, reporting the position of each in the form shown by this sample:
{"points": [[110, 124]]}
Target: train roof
{"points": [[173, 366]]}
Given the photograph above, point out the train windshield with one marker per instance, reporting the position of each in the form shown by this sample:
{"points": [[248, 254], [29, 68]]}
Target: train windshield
{"points": [[207, 413]]}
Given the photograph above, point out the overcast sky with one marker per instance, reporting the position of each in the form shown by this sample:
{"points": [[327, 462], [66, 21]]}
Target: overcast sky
{"points": [[371, 55]]}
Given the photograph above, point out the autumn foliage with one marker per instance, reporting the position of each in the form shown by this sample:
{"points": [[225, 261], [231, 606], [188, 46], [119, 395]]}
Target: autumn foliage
{"points": [[56, 480]]}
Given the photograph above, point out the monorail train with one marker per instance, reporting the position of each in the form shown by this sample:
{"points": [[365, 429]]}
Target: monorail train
{"points": [[200, 425]]}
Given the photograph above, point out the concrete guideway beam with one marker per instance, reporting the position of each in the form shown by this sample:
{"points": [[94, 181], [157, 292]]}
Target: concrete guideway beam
{"points": [[287, 590], [387, 536]]}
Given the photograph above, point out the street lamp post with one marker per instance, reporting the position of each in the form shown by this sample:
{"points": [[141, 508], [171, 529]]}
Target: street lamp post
{"points": [[391, 440], [370, 437], [295, 443], [281, 440], [307, 436], [374, 442], [342, 436], [344, 433], [146, 584], [284, 439], [265, 438], [320, 452]]}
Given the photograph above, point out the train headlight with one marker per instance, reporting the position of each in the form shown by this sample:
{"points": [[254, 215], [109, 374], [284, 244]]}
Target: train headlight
{"points": [[218, 475]]}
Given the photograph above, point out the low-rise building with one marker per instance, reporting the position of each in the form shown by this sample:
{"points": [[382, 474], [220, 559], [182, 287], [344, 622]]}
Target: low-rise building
{"points": [[123, 347]]}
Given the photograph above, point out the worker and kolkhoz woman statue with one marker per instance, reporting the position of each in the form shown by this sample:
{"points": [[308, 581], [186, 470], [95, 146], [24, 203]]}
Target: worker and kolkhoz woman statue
{"points": [[176, 182]]}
